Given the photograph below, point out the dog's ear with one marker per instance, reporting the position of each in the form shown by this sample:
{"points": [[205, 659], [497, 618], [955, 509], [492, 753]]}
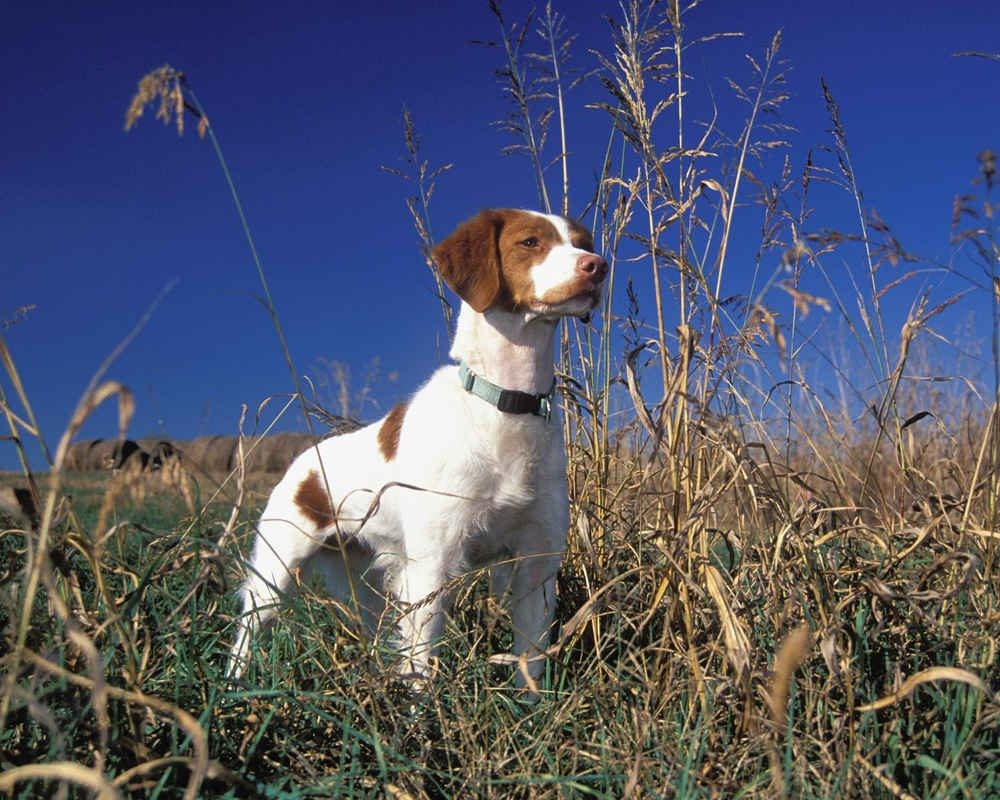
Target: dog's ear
{"points": [[469, 259]]}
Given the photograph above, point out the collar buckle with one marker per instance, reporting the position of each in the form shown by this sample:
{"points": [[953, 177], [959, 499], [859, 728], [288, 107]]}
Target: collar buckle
{"points": [[467, 376], [545, 405]]}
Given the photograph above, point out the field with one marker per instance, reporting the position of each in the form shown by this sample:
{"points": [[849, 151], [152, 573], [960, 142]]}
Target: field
{"points": [[782, 574]]}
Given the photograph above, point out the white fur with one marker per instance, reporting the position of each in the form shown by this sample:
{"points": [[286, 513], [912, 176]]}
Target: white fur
{"points": [[468, 486], [555, 270], [551, 273]]}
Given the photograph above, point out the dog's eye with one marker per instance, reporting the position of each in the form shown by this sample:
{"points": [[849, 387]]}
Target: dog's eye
{"points": [[531, 241]]}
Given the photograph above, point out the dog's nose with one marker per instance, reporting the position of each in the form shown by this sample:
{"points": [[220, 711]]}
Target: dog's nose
{"points": [[592, 266]]}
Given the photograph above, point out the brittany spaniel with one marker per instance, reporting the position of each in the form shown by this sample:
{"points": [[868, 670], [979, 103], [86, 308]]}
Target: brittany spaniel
{"points": [[469, 472]]}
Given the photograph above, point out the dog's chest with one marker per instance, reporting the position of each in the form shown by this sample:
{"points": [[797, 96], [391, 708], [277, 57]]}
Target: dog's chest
{"points": [[522, 480], [492, 466], [521, 465]]}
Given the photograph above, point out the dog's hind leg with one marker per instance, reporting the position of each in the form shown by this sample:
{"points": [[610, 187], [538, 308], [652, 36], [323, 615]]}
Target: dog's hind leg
{"points": [[282, 545]]}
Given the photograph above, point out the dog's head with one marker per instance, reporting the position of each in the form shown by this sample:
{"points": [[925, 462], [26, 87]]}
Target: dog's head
{"points": [[523, 261]]}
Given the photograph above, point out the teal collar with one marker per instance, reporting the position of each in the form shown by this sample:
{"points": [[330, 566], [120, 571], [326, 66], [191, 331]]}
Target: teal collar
{"points": [[509, 401]]}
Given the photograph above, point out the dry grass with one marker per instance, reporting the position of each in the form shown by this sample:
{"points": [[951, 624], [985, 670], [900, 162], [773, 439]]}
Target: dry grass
{"points": [[782, 570]]}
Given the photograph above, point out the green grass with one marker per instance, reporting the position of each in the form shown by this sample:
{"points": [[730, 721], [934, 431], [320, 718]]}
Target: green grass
{"points": [[634, 703]]}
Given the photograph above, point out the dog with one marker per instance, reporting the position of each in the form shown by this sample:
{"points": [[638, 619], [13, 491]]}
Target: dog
{"points": [[470, 472]]}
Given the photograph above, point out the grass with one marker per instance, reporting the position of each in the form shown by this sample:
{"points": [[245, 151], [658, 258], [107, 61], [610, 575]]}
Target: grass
{"points": [[777, 584], [625, 712]]}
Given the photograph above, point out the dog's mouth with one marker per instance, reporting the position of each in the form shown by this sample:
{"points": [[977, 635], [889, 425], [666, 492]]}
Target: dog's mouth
{"points": [[592, 296], [580, 304]]}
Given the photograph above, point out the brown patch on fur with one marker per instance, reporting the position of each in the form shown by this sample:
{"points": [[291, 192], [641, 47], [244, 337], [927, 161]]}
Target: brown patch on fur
{"points": [[525, 241], [469, 260], [388, 434], [579, 236], [313, 501]]}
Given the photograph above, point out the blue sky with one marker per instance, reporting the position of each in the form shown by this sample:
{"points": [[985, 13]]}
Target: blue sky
{"points": [[306, 100]]}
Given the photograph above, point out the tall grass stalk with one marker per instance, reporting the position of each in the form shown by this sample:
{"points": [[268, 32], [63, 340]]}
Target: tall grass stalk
{"points": [[178, 98], [419, 205]]}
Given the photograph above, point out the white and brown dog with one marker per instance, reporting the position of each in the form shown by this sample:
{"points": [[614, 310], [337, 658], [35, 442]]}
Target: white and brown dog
{"points": [[470, 472]]}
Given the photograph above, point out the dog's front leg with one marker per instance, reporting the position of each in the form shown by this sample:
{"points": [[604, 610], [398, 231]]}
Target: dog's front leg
{"points": [[421, 589], [533, 605]]}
